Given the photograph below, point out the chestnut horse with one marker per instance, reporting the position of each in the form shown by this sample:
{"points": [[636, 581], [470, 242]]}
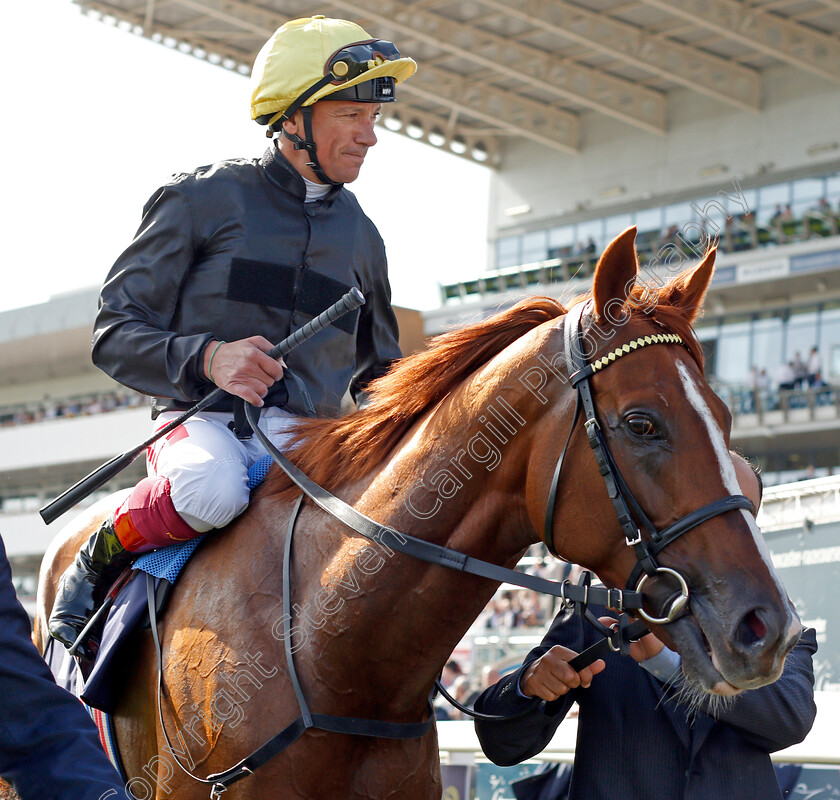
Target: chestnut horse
{"points": [[458, 447]]}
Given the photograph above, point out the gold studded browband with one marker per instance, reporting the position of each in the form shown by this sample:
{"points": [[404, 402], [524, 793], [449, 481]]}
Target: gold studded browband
{"points": [[636, 344]]}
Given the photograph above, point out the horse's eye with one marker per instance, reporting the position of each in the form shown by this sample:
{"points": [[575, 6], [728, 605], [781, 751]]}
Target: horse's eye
{"points": [[642, 426]]}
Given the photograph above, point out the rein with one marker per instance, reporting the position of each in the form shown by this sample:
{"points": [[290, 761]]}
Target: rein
{"points": [[581, 595]]}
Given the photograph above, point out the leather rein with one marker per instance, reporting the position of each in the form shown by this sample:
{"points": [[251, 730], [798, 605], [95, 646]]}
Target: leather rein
{"points": [[632, 519]]}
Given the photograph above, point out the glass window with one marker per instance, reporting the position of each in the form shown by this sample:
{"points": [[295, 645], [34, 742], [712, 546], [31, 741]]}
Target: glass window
{"points": [[707, 332], [768, 335], [832, 190], [534, 246], [562, 236], [678, 214], [829, 343], [507, 251], [589, 233], [615, 225], [733, 353], [807, 194], [649, 220], [750, 197], [707, 336], [709, 219], [561, 241], [808, 189], [772, 199], [777, 193], [799, 208], [801, 335]]}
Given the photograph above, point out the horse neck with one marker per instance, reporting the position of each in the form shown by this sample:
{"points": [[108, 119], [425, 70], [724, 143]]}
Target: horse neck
{"points": [[462, 474], [462, 470]]}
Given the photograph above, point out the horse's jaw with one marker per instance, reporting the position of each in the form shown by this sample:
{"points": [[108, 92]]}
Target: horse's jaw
{"points": [[710, 664], [697, 659]]}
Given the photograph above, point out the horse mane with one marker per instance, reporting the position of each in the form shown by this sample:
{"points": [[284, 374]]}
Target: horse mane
{"points": [[333, 452]]}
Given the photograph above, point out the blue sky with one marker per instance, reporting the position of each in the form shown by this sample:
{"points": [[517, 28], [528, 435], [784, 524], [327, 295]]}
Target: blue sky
{"points": [[96, 118]]}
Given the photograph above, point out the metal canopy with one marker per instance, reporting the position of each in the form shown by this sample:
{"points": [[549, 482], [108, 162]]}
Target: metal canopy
{"points": [[495, 69]]}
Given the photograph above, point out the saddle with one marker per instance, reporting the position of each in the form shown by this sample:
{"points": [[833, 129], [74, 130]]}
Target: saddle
{"points": [[98, 685]]}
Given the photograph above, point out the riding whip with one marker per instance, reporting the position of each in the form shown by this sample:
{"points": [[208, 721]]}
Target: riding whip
{"points": [[102, 474]]}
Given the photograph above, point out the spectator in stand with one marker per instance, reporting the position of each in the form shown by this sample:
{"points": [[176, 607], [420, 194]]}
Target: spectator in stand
{"points": [[800, 371], [53, 410], [490, 676], [814, 368], [763, 380], [450, 673], [461, 690], [749, 400], [505, 612], [532, 612], [786, 377]]}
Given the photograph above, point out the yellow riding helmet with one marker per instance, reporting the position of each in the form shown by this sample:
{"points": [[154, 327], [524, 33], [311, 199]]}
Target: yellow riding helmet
{"points": [[309, 59]]}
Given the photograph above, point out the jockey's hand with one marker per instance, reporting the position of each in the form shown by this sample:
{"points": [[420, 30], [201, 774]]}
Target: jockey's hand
{"points": [[647, 647], [550, 676], [243, 368]]}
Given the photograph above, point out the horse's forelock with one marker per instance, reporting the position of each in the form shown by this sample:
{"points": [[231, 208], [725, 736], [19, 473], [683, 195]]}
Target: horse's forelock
{"points": [[657, 304], [677, 320]]}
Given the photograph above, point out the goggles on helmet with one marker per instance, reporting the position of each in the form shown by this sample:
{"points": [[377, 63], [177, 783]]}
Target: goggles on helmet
{"points": [[345, 65], [357, 58]]}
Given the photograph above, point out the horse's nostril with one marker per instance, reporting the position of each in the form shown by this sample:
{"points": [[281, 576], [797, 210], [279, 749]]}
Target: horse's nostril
{"points": [[757, 626], [752, 629]]}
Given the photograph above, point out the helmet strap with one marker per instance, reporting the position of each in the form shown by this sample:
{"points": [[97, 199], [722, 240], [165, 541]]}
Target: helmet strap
{"points": [[308, 144]]}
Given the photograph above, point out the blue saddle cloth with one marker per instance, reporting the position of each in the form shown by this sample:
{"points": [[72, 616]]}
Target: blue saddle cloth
{"points": [[101, 690]]}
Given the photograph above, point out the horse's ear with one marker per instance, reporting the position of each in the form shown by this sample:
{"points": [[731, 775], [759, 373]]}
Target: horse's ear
{"points": [[688, 290], [616, 272]]}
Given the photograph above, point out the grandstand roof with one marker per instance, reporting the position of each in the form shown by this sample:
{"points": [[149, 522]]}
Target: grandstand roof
{"points": [[491, 69]]}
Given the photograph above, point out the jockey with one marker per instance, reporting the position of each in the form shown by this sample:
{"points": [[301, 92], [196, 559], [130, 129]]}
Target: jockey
{"points": [[229, 260]]}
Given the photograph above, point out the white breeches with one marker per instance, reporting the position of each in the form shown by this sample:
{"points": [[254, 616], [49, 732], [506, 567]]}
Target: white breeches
{"points": [[207, 466]]}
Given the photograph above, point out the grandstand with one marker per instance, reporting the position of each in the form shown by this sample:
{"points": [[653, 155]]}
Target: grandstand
{"points": [[697, 122], [61, 417], [775, 297]]}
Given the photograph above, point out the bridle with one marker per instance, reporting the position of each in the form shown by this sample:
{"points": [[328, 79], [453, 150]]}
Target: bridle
{"points": [[633, 522], [639, 532]]}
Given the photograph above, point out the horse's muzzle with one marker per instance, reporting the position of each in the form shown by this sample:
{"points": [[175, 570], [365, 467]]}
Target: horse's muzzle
{"points": [[725, 658]]}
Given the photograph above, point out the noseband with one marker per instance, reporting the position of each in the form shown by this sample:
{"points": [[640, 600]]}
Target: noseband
{"points": [[639, 532]]}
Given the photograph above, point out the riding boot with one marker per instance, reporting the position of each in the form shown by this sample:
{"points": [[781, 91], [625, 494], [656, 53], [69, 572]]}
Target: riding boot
{"points": [[85, 583]]}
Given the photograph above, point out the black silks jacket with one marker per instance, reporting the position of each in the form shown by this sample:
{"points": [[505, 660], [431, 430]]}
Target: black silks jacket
{"points": [[231, 251]]}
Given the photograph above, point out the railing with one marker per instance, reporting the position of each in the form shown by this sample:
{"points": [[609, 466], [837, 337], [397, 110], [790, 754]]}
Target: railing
{"points": [[77, 406], [458, 743], [800, 504], [467, 771], [563, 264], [775, 406]]}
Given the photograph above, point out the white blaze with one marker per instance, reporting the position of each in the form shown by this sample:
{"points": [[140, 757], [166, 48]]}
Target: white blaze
{"points": [[727, 470], [692, 393]]}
